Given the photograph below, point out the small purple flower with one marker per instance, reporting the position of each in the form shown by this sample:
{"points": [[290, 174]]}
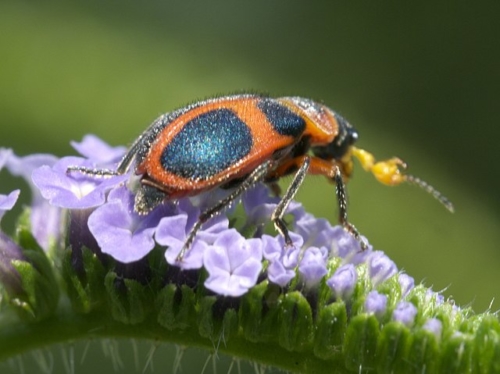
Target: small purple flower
{"points": [[283, 261], [204, 201], [279, 274], [312, 266], [343, 281], [407, 283], [171, 232], [315, 232], [98, 151], [173, 229], [233, 264], [119, 231], [433, 297], [9, 277], [274, 248], [259, 206], [45, 219], [405, 313], [5, 154], [380, 267], [434, 326], [376, 303], [347, 247], [7, 202], [24, 166], [73, 190]]}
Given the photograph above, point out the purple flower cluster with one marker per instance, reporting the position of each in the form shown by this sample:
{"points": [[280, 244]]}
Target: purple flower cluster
{"points": [[9, 250], [405, 312], [234, 263], [45, 218]]}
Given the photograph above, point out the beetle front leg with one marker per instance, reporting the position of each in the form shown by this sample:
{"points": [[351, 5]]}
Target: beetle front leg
{"points": [[335, 171], [340, 191]]}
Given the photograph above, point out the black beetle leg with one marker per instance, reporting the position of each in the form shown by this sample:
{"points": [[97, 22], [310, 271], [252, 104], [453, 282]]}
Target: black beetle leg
{"points": [[253, 178], [278, 213], [92, 172], [342, 200]]}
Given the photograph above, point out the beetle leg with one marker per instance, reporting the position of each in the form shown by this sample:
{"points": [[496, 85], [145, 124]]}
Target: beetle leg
{"points": [[334, 171], [93, 172], [340, 191], [277, 216], [253, 178]]}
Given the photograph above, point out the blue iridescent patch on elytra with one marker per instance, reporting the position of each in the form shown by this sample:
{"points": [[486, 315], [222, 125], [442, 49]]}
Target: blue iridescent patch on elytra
{"points": [[284, 121], [207, 145]]}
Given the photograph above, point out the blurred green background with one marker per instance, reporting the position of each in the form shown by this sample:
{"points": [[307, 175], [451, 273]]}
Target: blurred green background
{"points": [[418, 80]]}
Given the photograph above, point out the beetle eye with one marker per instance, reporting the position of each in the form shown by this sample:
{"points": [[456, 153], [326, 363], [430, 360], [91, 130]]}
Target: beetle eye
{"points": [[354, 136]]}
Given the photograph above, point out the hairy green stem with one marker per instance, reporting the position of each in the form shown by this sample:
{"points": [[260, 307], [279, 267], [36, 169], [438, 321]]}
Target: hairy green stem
{"points": [[17, 337]]}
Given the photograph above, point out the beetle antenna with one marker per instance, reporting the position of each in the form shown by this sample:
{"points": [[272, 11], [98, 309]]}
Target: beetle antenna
{"points": [[428, 188]]}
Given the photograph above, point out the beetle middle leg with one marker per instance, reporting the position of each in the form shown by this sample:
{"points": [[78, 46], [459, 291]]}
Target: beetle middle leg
{"points": [[253, 178], [277, 216]]}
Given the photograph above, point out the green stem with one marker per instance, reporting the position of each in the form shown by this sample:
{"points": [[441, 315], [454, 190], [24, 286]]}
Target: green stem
{"points": [[17, 337]]}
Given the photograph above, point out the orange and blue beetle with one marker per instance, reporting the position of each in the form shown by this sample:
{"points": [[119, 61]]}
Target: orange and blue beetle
{"points": [[238, 141]]}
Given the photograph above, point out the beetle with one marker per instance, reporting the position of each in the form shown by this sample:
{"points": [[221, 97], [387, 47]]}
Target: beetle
{"points": [[240, 140]]}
